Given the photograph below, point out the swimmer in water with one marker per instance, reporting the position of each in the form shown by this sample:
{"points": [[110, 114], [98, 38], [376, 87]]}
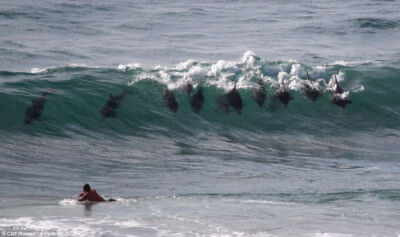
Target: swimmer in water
{"points": [[91, 195]]}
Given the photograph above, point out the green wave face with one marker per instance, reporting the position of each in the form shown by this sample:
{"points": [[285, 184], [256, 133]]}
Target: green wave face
{"points": [[78, 93]]}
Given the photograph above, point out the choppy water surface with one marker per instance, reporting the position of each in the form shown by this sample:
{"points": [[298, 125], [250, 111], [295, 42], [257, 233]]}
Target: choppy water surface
{"points": [[311, 169]]}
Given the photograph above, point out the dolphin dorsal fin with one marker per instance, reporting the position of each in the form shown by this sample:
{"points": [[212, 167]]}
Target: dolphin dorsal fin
{"points": [[338, 87]]}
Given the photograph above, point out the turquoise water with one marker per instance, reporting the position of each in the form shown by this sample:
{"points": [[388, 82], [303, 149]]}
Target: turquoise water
{"points": [[311, 169]]}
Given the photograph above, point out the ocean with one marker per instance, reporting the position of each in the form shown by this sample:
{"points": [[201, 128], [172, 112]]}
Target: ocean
{"points": [[312, 169]]}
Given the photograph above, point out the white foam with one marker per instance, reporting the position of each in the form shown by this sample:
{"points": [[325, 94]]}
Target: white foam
{"points": [[47, 69], [342, 96], [77, 65], [350, 63], [143, 76], [254, 201], [222, 82], [220, 74], [287, 65], [330, 235], [248, 58], [295, 83], [282, 76], [270, 81], [245, 83], [165, 78], [196, 72], [249, 80], [159, 67], [126, 200], [221, 65], [185, 65], [319, 71], [130, 66], [68, 202], [36, 70], [265, 202], [358, 89], [340, 76], [240, 234], [61, 226], [297, 70], [73, 202], [128, 224]]}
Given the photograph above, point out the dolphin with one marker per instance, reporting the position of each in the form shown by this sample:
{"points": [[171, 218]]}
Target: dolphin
{"points": [[170, 100], [197, 100], [339, 96], [340, 101], [259, 93], [234, 99], [311, 92], [283, 94], [36, 109], [109, 109], [338, 88]]}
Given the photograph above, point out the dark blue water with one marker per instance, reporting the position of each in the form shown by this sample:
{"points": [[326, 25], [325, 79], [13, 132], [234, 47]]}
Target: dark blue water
{"points": [[310, 169]]}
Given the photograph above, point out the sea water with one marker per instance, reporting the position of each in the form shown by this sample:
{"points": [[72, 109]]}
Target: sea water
{"points": [[311, 169]]}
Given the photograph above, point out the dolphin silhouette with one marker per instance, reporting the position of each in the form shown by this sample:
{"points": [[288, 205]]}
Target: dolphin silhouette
{"points": [[234, 99], [170, 100], [283, 94], [338, 88], [311, 92], [338, 96], [197, 100], [36, 109], [259, 93], [109, 109]]}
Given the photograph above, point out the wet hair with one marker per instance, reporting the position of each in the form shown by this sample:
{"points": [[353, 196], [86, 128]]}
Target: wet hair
{"points": [[86, 188]]}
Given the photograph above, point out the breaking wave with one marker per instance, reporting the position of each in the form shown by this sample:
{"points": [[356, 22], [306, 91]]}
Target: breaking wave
{"points": [[77, 93]]}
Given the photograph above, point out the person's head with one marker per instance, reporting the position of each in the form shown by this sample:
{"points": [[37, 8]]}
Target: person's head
{"points": [[86, 188]]}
